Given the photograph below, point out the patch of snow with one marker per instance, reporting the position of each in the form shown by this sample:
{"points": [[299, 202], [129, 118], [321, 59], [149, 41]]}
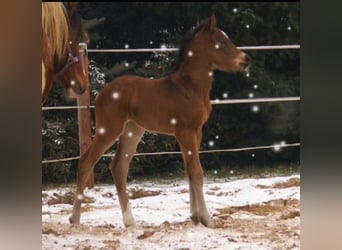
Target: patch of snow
{"points": [[171, 205]]}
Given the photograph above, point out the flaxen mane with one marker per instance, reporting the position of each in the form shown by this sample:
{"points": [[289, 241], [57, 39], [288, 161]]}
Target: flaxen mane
{"points": [[55, 24]]}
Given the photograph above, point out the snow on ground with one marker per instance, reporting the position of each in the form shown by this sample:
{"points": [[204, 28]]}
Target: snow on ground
{"points": [[249, 214]]}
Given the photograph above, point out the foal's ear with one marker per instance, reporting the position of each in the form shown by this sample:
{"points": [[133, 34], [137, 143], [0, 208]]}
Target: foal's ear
{"points": [[209, 24], [212, 23]]}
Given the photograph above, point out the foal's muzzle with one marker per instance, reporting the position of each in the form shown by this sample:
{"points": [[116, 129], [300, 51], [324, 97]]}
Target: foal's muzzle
{"points": [[245, 64]]}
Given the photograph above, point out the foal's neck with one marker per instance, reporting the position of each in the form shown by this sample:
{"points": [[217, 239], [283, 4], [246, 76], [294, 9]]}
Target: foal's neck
{"points": [[196, 75]]}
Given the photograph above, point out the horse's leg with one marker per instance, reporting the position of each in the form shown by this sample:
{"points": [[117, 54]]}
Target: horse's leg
{"points": [[43, 77], [189, 142], [102, 141], [128, 142]]}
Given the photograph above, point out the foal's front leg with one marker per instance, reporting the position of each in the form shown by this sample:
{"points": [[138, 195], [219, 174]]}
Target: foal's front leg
{"points": [[85, 166], [189, 143], [128, 142]]}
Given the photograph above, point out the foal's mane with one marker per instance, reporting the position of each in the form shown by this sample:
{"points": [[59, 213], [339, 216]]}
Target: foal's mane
{"points": [[55, 24], [189, 35]]}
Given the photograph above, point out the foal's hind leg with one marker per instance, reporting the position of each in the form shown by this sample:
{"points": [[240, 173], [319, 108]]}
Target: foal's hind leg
{"points": [[189, 143], [102, 141], [128, 142]]}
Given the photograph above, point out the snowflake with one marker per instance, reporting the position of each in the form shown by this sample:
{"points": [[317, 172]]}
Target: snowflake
{"points": [[102, 131], [115, 95], [173, 121], [255, 108]]}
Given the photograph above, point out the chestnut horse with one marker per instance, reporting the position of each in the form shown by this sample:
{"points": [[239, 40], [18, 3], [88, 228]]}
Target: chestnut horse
{"points": [[177, 104], [62, 60]]}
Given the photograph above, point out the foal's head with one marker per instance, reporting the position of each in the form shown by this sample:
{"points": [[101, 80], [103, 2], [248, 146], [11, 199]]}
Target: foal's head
{"points": [[218, 49], [72, 73]]}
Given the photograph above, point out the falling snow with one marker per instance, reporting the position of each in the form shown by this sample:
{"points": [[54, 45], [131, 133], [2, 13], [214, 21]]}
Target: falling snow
{"points": [[115, 95], [255, 108], [225, 95], [190, 53], [101, 131], [211, 143], [276, 147], [173, 121], [126, 46]]}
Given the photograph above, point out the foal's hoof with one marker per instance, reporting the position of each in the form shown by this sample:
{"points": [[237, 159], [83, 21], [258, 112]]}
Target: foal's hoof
{"points": [[208, 223], [73, 221]]}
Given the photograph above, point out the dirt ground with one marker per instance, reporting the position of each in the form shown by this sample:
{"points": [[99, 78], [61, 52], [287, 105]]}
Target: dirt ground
{"points": [[274, 224]]}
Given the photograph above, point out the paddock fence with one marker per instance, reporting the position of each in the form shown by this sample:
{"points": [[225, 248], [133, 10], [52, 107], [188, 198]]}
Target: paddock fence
{"points": [[214, 102]]}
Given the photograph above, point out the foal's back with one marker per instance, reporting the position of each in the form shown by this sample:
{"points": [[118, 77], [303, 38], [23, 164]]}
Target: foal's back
{"points": [[158, 105]]}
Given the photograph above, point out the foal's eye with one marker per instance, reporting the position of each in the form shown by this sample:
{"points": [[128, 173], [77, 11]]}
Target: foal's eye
{"points": [[219, 44]]}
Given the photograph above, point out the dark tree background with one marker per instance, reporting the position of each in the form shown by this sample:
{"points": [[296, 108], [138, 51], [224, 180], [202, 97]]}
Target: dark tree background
{"points": [[274, 73]]}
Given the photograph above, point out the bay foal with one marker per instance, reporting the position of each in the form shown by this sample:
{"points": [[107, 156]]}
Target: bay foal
{"points": [[177, 104]]}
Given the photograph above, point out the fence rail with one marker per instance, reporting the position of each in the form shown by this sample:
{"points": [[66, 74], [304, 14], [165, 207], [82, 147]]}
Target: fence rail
{"points": [[179, 153], [214, 102], [263, 47]]}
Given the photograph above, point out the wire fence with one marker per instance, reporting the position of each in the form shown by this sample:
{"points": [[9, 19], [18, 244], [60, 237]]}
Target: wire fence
{"points": [[264, 47], [275, 147], [214, 102]]}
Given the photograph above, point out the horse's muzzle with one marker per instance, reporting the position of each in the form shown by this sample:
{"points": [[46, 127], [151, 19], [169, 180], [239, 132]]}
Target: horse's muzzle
{"points": [[77, 88]]}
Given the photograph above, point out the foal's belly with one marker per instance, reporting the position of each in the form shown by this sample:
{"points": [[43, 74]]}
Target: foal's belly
{"points": [[154, 120]]}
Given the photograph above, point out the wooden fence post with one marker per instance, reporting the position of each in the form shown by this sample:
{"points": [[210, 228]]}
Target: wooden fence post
{"points": [[84, 119]]}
